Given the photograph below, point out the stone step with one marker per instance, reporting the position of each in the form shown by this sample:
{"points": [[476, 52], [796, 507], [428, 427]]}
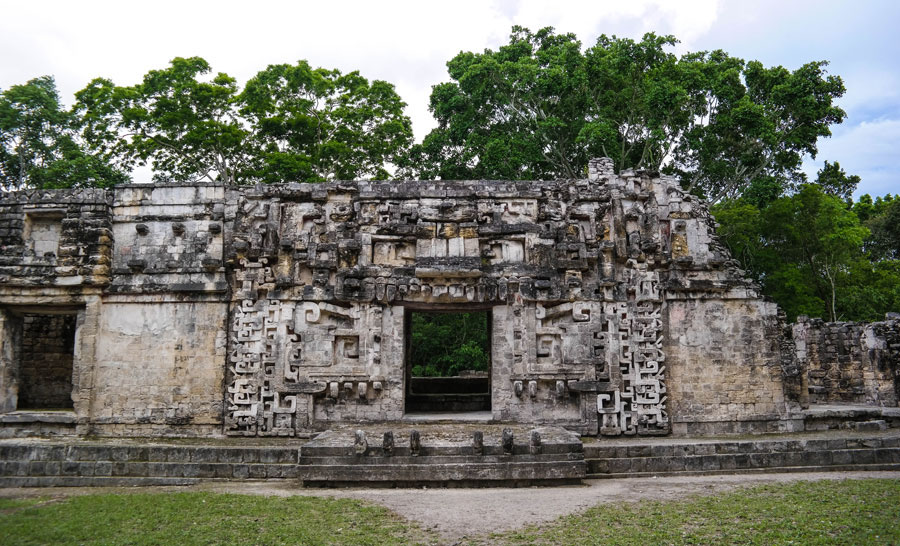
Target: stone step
{"points": [[820, 417], [64, 468], [467, 472], [90, 481], [704, 456], [446, 455], [770, 470]]}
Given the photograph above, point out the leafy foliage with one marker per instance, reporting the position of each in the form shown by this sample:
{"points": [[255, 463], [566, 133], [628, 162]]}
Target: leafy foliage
{"points": [[446, 344], [290, 123], [317, 124], [834, 181], [540, 107], [39, 147], [884, 222], [186, 127], [809, 253]]}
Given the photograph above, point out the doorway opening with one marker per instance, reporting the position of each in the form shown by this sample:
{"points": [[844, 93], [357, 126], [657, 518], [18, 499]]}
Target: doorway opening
{"points": [[448, 361], [46, 357]]}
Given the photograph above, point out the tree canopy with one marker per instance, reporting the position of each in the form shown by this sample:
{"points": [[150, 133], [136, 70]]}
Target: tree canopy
{"points": [[541, 106], [815, 254], [316, 124], [39, 147], [289, 123]]}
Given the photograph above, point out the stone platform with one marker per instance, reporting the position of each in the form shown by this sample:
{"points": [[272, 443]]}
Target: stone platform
{"points": [[833, 450], [445, 455]]}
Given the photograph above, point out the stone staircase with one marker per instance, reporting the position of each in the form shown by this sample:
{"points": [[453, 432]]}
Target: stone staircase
{"points": [[445, 455], [40, 463], [437, 455], [440, 455], [800, 452]]}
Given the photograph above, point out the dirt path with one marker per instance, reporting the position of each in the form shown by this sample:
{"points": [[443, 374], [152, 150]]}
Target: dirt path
{"points": [[469, 513]]}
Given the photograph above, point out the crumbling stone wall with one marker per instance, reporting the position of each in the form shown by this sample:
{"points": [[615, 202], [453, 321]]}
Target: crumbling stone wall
{"points": [[160, 361], [45, 365], [280, 309], [76, 223], [149, 347], [55, 248], [850, 362]]}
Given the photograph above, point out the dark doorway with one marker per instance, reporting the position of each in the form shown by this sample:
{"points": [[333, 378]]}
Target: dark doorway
{"points": [[448, 361], [46, 355]]}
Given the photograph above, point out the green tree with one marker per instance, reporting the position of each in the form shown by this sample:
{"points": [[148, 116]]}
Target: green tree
{"points": [[317, 124], [290, 123], [806, 250], [186, 128], [819, 235], [445, 344], [39, 147], [834, 180], [540, 107], [884, 223], [752, 126], [512, 114]]}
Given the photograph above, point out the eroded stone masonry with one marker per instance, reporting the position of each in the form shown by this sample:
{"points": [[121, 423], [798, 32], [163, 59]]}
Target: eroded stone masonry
{"points": [[205, 310]]}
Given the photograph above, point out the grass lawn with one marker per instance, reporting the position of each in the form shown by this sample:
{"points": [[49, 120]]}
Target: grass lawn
{"points": [[826, 512], [203, 518]]}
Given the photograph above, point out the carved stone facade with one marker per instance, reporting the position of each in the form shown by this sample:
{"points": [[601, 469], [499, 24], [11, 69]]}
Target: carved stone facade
{"points": [[278, 310]]}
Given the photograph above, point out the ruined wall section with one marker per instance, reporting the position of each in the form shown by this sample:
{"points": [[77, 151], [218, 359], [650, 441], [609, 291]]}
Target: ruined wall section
{"points": [[850, 362], [730, 366], [55, 255], [59, 238], [169, 239], [281, 309], [159, 365]]}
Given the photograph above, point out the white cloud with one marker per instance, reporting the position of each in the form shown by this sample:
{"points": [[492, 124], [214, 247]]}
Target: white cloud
{"points": [[405, 42], [408, 43], [870, 89], [868, 149]]}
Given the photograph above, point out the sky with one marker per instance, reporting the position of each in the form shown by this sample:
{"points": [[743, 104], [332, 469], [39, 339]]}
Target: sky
{"points": [[409, 42]]}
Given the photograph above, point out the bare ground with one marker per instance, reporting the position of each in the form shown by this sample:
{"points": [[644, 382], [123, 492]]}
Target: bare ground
{"points": [[466, 514]]}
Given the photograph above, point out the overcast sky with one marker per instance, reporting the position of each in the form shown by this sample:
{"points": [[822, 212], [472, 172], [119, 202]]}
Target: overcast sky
{"points": [[408, 44]]}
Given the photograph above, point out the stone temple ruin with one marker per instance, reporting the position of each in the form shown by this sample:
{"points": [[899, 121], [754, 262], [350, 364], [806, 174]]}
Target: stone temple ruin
{"points": [[201, 310]]}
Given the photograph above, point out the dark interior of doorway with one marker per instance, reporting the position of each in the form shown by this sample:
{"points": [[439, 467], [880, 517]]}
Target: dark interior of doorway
{"points": [[448, 361], [46, 357]]}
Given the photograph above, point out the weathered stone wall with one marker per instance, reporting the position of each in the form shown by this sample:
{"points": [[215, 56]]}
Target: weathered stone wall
{"points": [[281, 309], [169, 240], [850, 362], [149, 348], [10, 355], [726, 370], [579, 276], [159, 369], [160, 359], [55, 238], [45, 370]]}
